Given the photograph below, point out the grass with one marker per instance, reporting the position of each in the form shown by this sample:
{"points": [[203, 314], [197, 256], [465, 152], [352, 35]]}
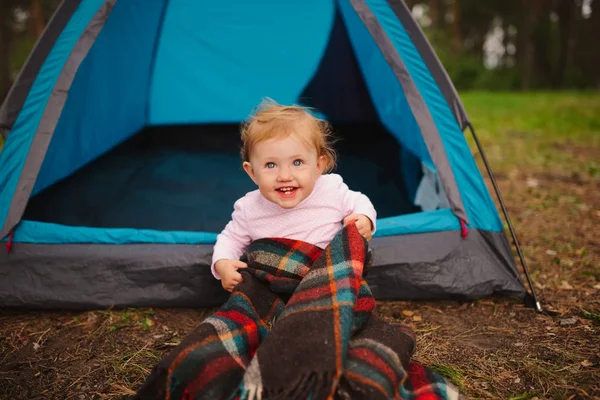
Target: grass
{"points": [[450, 373], [524, 396], [536, 130]]}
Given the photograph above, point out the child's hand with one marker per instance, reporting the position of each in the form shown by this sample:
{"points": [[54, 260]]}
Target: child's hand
{"points": [[228, 269], [363, 224]]}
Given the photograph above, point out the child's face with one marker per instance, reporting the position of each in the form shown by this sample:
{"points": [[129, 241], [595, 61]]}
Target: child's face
{"points": [[285, 169]]}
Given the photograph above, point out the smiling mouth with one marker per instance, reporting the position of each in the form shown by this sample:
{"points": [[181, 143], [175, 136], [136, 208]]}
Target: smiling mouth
{"points": [[288, 191]]}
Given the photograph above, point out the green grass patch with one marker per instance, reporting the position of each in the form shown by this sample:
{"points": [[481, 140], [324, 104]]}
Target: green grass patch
{"points": [[133, 366], [523, 396], [128, 318], [551, 131], [448, 372], [590, 315]]}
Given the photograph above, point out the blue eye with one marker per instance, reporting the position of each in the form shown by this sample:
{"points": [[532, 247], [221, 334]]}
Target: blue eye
{"points": [[270, 165], [298, 163]]}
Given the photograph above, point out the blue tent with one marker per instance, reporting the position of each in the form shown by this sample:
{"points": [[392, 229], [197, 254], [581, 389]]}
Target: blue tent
{"points": [[121, 158]]}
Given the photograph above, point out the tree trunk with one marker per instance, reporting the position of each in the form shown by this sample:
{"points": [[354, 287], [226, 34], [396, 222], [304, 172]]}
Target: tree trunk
{"points": [[6, 38], [542, 39], [436, 13], [457, 40], [525, 46], [36, 19], [595, 23], [566, 10]]}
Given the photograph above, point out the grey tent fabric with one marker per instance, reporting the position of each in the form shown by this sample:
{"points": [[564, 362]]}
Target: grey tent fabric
{"points": [[88, 276], [444, 265], [439, 265]]}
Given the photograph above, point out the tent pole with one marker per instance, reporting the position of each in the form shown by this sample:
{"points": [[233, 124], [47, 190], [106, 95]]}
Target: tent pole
{"points": [[538, 307]]}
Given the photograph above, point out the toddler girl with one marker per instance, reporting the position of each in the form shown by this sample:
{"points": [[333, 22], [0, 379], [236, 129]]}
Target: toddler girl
{"points": [[285, 151]]}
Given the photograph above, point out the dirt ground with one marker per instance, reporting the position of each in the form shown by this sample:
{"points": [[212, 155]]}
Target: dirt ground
{"points": [[491, 348]]}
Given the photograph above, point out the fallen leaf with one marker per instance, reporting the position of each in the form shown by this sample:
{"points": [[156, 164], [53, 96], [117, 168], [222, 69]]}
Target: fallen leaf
{"points": [[532, 182], [597, 286], [565, 285], [584, 207], [416, 318], [587, 363], [568, 321], [505, 375], [123, 389], [551, 252], [147, 323], [408, 313]]}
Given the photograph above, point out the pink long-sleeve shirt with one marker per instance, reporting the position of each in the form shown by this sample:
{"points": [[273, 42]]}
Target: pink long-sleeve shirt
{"points": [[315, 220]]}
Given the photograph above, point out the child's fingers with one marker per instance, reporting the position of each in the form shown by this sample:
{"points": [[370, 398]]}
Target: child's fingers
{"points": [[236, 282], [365, 232], [230, 286], [362, 227], [240, 264], [350, 218]]}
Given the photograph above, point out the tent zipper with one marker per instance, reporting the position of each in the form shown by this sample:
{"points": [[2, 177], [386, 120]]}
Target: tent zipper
{"points": [[464, 232], [9, 243]]}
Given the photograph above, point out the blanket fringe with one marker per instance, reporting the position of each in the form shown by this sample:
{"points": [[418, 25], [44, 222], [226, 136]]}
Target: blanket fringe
{"points": [[313, 385], [251, 392]]}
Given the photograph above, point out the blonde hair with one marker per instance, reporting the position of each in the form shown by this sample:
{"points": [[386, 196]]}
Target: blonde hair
{"points": [[270, 120]]}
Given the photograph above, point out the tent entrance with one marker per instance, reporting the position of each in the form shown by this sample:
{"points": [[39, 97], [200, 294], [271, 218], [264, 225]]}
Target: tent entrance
{"points": [[186, 178]]}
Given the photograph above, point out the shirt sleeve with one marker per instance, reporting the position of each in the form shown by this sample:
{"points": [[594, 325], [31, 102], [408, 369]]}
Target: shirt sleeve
{"points": [[357, 203], [233, 240]]}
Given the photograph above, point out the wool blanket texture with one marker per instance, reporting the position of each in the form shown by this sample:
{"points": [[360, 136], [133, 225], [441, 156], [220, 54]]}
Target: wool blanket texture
{"points": [[300, 326]]}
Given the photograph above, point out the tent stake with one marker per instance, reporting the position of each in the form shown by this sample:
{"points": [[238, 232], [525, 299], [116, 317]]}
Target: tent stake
{"points": [[538, 307]]}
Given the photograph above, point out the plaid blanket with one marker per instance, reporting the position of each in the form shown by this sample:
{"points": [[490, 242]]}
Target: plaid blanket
{"points": [[300, 326]]}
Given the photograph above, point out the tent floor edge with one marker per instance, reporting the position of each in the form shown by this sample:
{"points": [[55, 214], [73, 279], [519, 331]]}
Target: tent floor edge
{"points": [[95, 276]]}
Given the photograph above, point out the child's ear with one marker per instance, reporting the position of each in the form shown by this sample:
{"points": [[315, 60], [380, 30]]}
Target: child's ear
{"points": [[249, 170], [321, 163]]}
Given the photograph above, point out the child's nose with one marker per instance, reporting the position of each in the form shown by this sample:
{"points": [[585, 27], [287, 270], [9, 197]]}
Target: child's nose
{"points": [[284, 174]]}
